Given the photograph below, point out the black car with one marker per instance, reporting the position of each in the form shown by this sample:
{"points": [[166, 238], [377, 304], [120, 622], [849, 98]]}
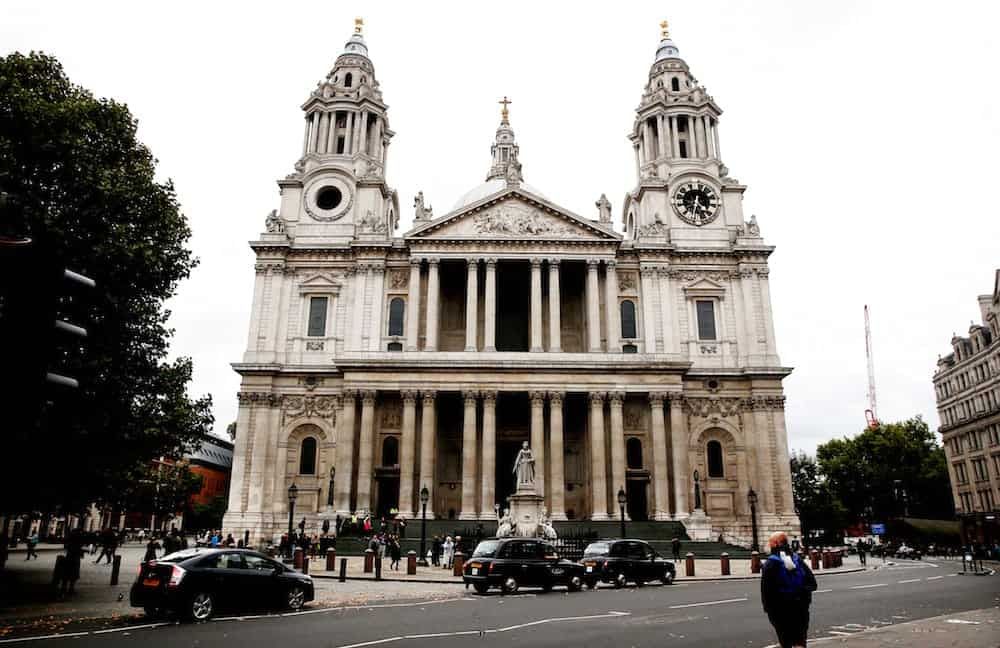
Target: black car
{"points": [[511, 563], [625, 561], [196, 582]]}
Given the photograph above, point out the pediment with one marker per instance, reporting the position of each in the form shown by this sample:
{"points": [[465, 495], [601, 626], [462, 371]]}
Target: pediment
{"points": [[513, 214], [320, 282], [704, 287]]}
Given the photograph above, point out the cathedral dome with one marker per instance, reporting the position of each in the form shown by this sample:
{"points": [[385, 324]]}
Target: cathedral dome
{"points": [[666, 49], [488, 188]]}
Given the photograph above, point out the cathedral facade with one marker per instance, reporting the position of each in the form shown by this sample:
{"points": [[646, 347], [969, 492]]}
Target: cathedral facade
{"points": [[380, 366]]}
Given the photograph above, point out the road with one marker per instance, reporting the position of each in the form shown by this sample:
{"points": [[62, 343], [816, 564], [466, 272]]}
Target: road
{"points": [[692, 614]]}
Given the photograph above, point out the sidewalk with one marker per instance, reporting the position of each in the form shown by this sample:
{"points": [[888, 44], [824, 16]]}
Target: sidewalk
{"points": [[974, 629]]}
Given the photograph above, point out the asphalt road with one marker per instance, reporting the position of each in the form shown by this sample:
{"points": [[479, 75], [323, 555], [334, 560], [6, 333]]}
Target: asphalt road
{"points": [[695, 614]]}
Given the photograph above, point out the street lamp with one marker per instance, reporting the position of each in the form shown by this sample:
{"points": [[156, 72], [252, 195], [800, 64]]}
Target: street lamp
{"points": [[293, 492], [621, 507], [752, 500], [424, 496]]}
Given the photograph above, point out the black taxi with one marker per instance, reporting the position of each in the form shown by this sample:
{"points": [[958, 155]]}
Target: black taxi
{"points": [[624, 561], [510, 563]]}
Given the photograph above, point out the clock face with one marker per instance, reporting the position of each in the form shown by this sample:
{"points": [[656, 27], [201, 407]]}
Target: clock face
{"points": [[696, 203]]}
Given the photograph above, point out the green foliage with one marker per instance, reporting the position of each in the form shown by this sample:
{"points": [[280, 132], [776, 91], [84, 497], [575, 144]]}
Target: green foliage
{"points": [[79, 183], [816, 506], [160, 488], [894, 469], [206, 516]]}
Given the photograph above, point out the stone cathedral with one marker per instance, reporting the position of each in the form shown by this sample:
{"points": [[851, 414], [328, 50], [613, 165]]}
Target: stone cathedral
{"points": [[379, 364]]}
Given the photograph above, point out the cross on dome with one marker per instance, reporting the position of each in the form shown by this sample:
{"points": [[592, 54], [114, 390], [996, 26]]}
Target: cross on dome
{"points": [[504, 113]]}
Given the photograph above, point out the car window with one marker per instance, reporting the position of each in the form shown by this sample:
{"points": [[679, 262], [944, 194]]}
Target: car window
{"points": [[595, 549], [619, 550], [486, 549], [223, 561], [549, 551], [523, 550], [260, 563], [178, 556]]}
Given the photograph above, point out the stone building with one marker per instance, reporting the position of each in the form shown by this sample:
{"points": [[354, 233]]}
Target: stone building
{"points": [[380, 364], [967, 386]]}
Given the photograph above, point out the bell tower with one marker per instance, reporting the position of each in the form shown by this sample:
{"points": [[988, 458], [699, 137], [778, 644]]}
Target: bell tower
{"points": [[338, 191], [681, 180]]}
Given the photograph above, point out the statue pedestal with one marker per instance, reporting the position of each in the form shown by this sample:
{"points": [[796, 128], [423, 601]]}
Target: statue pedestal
{"points": [[698, 526], [526, 509]]}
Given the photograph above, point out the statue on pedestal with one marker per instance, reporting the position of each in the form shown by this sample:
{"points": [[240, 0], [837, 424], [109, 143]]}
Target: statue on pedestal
{"points": [[545, 528], [505, 524], [524, 469], [697, 492]]}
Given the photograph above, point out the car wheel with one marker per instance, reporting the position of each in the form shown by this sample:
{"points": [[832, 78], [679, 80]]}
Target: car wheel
{"points": [[639, 582], [482, 588], [547, 587], [509, 585], [575, 584], [296, 598], [152, 612], [620, 580], [668, 577], [202, 606], [591, 584]]}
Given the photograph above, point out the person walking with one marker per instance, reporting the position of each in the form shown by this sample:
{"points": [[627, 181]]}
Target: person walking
{"points": [[786, 587], [862, 551], [675, 549], [449, 552], [395, 552], [31, 541], [69, 570], [151, 548]]}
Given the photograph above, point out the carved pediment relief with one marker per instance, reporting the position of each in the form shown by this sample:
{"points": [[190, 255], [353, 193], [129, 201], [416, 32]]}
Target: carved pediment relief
{"points": [[320, 282], [515, 219], [704, 287]]}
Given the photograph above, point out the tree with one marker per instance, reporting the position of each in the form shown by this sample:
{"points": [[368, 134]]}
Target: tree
{"points": [[206, 516], [77, 181], [161, 488], [888, 471], [817, 508]]}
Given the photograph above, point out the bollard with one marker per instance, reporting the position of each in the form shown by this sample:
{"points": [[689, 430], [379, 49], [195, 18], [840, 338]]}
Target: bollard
{"points": [[840, 558], [754, 562], [115, 568], [343, 570], [331, 559], [814, 559], [411, 563], [826, 559], [458, 564], [305, 564], [369, 560], [297, 558], [689, 564], [57, 572], [724, 564], [378, 569]]}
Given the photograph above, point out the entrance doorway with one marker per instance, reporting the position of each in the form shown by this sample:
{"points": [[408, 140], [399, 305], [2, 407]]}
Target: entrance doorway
{"points": [[388, 495], [635, 499]]}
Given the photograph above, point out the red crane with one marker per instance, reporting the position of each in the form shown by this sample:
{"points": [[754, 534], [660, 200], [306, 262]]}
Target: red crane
{"points": [[871, 414]]}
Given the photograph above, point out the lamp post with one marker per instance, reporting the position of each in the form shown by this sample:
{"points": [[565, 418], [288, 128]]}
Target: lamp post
{"points": [[752, 500], [621, 507], [424, 496], [293, 492]]}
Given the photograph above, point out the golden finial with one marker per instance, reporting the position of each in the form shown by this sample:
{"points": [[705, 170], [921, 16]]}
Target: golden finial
{"points": [[358, 24], [503, 111], [665, 29]]}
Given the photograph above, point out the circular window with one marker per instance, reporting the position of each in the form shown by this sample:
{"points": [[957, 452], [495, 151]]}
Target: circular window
{"points": [[713, 384], [328, 197]]}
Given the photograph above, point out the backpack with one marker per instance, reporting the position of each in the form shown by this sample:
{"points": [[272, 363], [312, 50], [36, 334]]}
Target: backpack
{"points": [[791, 581]]}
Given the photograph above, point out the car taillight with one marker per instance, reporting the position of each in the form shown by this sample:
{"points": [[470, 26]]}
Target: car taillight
{"points": [[176, 576], [489, 570]]}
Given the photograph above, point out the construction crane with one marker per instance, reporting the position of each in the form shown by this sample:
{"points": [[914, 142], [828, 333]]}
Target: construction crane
{"points": [[871, 414]]}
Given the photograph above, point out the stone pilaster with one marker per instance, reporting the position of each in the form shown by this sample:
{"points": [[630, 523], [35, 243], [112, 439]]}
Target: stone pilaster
{"points": [[661, 485], [555, 308], [536, 305], [593, 308], [469, 457], [345, 454], [679, 456], [488, 480], [413, 308], [557, 483], [366, 448], [408, 452], [433, 303], [490, 317], [472, 305], [538, 439], [611, 311], [598, 479], [616, 401], [428, 432]]}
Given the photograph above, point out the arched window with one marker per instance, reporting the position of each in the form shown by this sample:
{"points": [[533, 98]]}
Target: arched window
{"points": [[628, 319], [397, 308], [390, 451], [715, 464], [633, 453], [307, 456], [347, 80], [675, 85]]}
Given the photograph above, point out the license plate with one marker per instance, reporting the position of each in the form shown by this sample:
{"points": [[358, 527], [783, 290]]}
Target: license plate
{"points": [[151, 582], [475, 571], [590, 569]]}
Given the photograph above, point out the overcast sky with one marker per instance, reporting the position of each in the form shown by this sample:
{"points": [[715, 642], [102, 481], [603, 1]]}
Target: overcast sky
{"points": [[865, 132]]}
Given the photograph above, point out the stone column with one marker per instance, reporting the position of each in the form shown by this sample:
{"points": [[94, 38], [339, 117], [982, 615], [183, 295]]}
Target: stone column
{"points": [[662, 131], [763, 448], [679, 456], [661, 486], [314, 134], [358, 313], [305, 136], [668, 314], [363, 134], [557, 484], [749, 318], [472, 305], [536, 305], [675, 137], [490, 317], [738, 311], [428, 430], [647, 283], [706, 122], [413, 308], [598, 480], [408, 452], [538, 439], [324, 129], [611, 309], [469, 457], [765, 307], [345, 454], [593, 308], [366, 447], [488, 478], [715, 140], [331, 134], [349, 134], [433, 297], [784, 476], [376, 329], [616, 401], [555, 308]]}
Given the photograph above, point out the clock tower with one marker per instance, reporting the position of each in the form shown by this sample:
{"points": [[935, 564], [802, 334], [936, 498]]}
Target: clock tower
{"points": [[683, 193]]}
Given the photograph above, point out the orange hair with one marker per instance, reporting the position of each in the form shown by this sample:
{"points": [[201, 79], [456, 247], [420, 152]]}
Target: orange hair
{"points": [[777, 539]]}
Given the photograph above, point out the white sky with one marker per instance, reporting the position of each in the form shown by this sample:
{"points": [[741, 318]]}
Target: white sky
{"points": [[864, 131]]}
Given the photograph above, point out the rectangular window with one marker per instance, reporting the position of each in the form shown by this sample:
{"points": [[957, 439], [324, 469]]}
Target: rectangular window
{"points": [[706, 319], [317, 317]]}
